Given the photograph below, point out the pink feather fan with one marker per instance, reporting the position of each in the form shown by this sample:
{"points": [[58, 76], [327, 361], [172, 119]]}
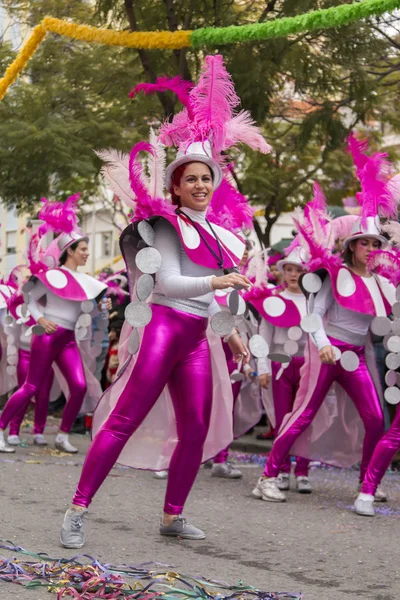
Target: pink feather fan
{"points": [[59, 217], [229, 208]]}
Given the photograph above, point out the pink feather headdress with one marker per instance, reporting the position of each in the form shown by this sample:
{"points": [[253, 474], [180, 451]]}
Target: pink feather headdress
{"points": [[59, 217]]}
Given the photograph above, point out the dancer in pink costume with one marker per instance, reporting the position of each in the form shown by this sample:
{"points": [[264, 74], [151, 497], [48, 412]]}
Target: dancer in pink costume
{"points": [[285, 376], [55, 297], [160, 412], [348, 300]]}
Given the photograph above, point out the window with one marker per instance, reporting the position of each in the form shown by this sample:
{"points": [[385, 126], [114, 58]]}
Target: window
{"points": [[11, 242], [106, 242]]}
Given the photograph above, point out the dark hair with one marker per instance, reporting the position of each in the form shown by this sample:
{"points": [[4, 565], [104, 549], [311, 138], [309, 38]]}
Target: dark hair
{"points": [[348, 253], [63, 258], [176, 180]]}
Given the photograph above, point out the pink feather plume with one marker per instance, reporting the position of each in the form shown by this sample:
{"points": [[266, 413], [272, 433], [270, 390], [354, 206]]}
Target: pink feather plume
{"points": [[177, 85], [386, 263], [242, 128], [230, 209], [59, 217]]}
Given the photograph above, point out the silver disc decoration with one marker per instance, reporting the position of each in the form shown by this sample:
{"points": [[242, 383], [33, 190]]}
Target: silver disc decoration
{"points": [[8, 320], [393, 343], [381, 326], [222, 323], [291, 347], [274, 306], [11, 350], [133, 342], [102, 324], [391, 378], [138, 314], [392, 395], [349, 361], [312, 283], [398, 293], [395, 325], [28, 286], [398, 380], [396, 310], [81, 333], [95, 351], [237, 376], [311, 302], [236, 304], [24, 310], [392, 361], [11, 370], [295, 333], [10, 340], [385, 341], [98, 337], [310, 323], [258, 346], [146, 232], [337, 352], [279, 357], [87, 306], [144, 286], [13, 359], [8, 329], [85, 320], [38, 330], [148, 260]]}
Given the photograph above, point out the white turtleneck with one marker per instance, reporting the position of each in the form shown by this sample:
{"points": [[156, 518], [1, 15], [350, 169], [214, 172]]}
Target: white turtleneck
{"points": [[179, 278]]}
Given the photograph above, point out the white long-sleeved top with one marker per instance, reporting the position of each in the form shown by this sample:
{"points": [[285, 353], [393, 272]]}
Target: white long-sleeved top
{"points": [[350, 322], [181, 283], [64, 313], [277, 336]]}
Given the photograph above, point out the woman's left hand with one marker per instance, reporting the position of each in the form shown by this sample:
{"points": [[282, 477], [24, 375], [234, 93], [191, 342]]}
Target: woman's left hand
{"points": [[239, 349]]}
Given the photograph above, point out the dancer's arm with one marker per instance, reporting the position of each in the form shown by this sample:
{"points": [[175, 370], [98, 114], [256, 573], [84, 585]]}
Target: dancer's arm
{"points": [[34, 308], [323, 302], [266, 330]]}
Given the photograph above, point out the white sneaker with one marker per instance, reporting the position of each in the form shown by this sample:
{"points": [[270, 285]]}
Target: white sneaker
{"points": [[160, 474], [14, 440], [303, 485], [4, 447], [64, 445], [364, 505], [267, 489], [40, 440], [380, 494], [283, 481], [226, 471]]}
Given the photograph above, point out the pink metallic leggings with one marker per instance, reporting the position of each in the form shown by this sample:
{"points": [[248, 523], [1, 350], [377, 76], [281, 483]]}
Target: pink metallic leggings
{"points": [[284, 391], [358, 385], [42, 397], [174, 351], [59, 347], [222, 456], [382, 456]]}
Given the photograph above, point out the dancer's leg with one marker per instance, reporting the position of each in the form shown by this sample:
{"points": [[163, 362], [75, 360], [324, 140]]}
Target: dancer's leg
{"points": [[42, 403], [282, 392], [70, 364], [22, 371]]}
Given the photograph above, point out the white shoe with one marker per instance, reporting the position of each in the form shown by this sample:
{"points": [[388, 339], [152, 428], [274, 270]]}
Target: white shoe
{"points": [[64, 445], [380, 494], [160, 474], [364, 505], [267, 489], [303, 485], [4, 447], [40, 440], [283, 481], [14, 440], [226, 471]]}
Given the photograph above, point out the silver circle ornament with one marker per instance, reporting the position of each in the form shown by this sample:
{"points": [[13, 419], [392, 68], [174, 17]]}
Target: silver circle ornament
{"points": [[138, 314], [144, 286], [295, 333], [146, 232], [134, 342], [148, 260], [381, 326], [392, 395], [222, 323], [393, 343], [310, 323], [392, 361], [87, 306], [349, 361], [258, 346], [312, 283]]}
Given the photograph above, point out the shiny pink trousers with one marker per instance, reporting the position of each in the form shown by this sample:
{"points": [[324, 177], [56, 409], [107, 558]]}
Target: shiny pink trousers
{"points": [[174, 352], [284, 392], [41, 398], [382, 457], [358, 385], [59, 347]]}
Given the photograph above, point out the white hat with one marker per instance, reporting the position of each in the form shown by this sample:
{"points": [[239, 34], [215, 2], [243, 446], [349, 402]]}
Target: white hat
{"points": [[66, 240], [372, 229], [298, 256], [195, 152]]}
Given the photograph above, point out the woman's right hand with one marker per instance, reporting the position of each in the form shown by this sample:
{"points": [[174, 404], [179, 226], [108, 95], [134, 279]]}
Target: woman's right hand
{"points": [[48, 325], [327, 355], [230, 280], [264, 380]]}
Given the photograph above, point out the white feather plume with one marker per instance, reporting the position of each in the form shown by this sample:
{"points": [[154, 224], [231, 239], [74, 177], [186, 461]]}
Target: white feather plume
{"points": [[156, 167], [116, 172], [392, 228]]}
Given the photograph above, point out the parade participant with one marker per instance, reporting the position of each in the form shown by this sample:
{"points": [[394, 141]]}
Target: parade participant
{"points": [[8, 379], [283, 378], [194, 258], [274, 274], [349, 299], [55, 297]]}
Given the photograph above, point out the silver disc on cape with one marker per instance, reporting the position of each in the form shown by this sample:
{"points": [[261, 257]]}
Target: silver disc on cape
{"points": [[295, 333], [8, 320], [279, 357], [312, 283], [98, 336], [13, 359], [310, 323], [81, 333], [393, 343], [392, 361], [391, 378], [138, 314], [258, 346], [148, 260], [236, 376], [24, 310], [311, 302], [349, 361], [236, 303], [398, 293], [222, 323], [95, 351], [395, 325], [337, 352], [11, 370], [392, 395], [87, 306], [291, 347], [85, 320], [146, 232], [38, 330], [133, 342], [396, 310], [11, 350], [28, 286], [144, 286], [381, 326]]}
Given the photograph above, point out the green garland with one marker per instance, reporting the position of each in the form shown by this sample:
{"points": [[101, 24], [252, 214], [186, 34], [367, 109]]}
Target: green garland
{"points": [[336, 16]]}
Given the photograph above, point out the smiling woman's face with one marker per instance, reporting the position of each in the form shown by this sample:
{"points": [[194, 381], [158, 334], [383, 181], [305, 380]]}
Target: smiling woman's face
{"points": [[196, 187]]}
